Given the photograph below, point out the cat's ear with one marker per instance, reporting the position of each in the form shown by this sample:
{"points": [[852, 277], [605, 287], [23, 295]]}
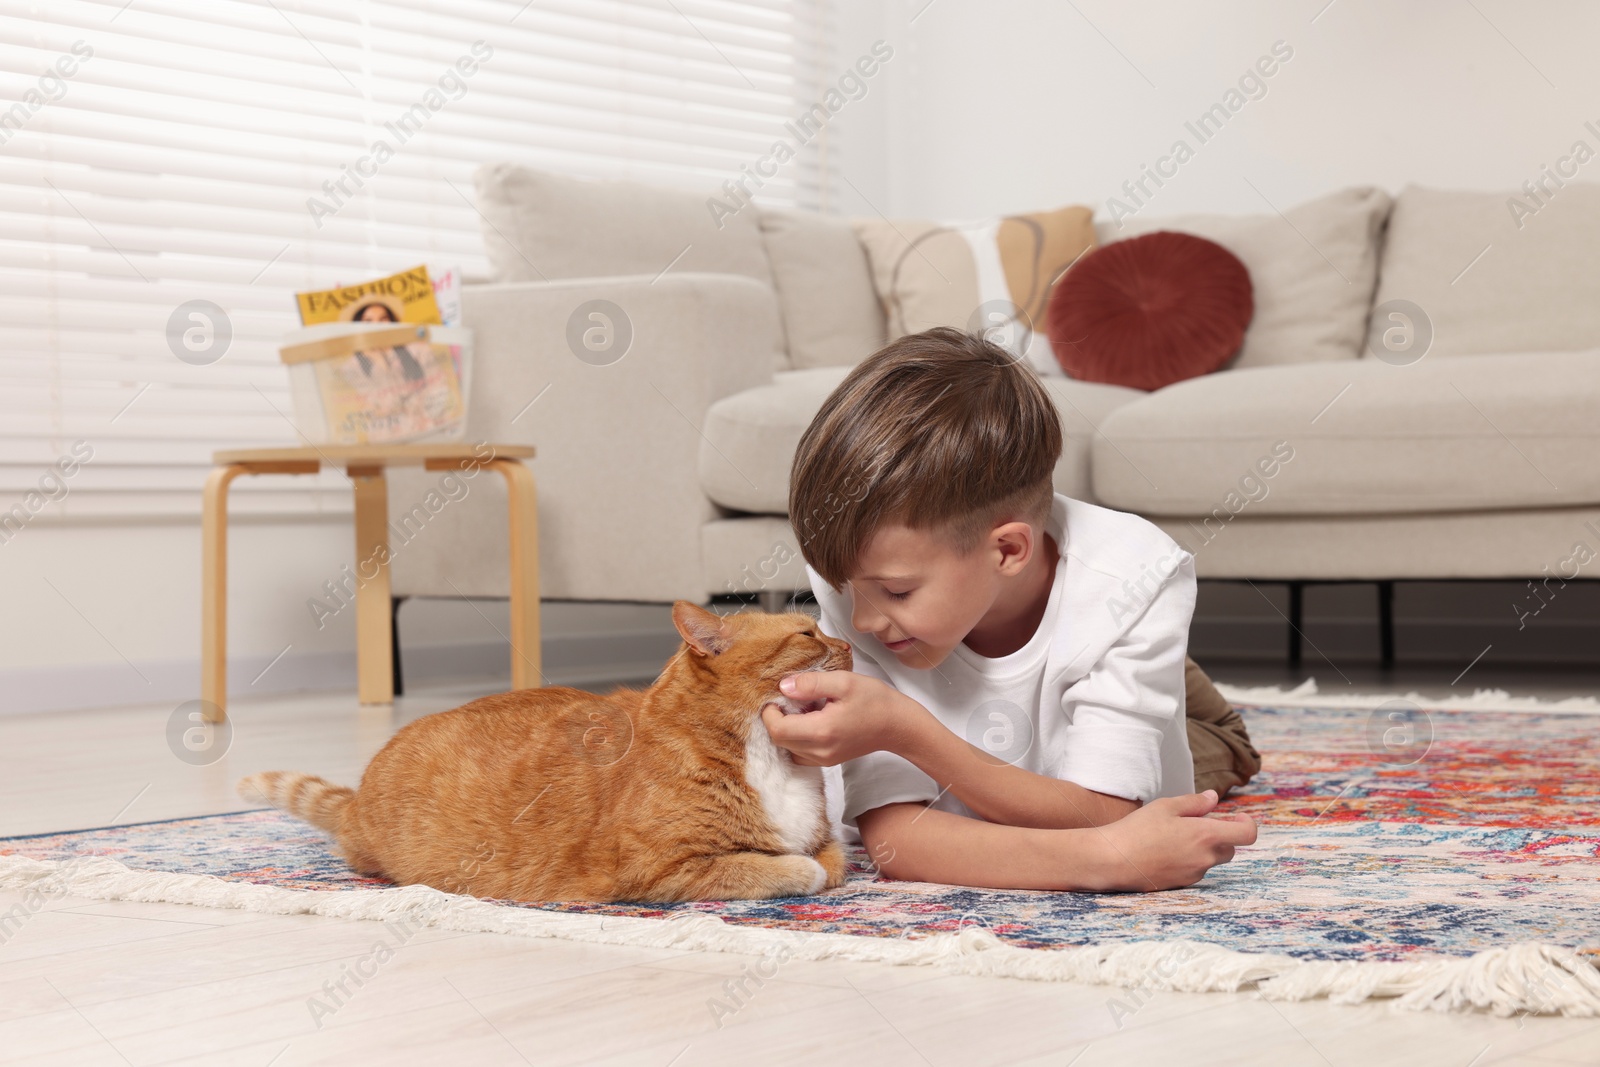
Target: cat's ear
{"points": [[700, 628]]}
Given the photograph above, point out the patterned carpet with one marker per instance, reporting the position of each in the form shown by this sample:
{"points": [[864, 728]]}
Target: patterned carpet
{"points": [[1438, 834]]}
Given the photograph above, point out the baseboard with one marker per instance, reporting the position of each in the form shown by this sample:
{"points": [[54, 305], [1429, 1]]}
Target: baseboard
{"points": [[1433, 640], [569, 659]]}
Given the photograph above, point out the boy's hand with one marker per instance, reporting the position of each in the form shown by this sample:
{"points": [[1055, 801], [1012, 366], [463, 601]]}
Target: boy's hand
{"points": [[862, 715], [1169, 843]]}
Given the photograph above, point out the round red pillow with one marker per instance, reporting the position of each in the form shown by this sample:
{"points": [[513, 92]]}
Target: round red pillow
{"points": [[1150, 311]]}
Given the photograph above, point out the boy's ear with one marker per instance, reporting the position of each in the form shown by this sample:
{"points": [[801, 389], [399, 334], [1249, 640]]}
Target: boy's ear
{"points": [[702, 630], [1016, 543]]}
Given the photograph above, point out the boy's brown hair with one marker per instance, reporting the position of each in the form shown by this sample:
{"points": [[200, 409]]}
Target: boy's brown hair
{"points": [[939, 430]]}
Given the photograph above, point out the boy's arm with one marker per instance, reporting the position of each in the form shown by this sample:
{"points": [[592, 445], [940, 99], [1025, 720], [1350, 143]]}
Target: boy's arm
{"points": [[866, 716], [997, 791], [1165, 845]]}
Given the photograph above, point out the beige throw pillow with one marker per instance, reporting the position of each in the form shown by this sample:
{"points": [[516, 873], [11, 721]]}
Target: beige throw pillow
{"points": [[1496, 272], [993, 275], [1312, 272], [831, 315], [540, 225]]}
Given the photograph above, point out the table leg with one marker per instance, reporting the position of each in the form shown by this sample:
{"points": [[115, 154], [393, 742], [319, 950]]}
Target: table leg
{"points": [[522, 502], [214, 593], [374, 650]]}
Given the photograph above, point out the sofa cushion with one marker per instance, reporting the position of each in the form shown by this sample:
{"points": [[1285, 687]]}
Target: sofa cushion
{"points": [[1360, 437], [992, 275], [749, 438], [1313, 270], [1494, 272], [830, 311], [1150, 311], [539, 225], [1083, 407]]}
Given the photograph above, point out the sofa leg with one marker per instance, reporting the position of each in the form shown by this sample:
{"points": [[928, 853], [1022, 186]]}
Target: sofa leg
{"points": [[774, 601], [394, 642], [1296, 618], [1386, 623]]}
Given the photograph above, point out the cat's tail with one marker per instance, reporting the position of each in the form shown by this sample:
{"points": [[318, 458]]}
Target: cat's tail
{"points": [[305, 796]]}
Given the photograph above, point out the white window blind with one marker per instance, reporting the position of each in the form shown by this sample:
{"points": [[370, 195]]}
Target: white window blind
{"points": [[158, 152]]}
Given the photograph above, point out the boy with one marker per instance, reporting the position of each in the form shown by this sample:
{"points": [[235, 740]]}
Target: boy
{"points": [[1016, 716]]}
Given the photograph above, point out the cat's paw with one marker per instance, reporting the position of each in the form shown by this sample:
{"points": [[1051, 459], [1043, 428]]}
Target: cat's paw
{"points": [[831, 857], [820, 880], [792, 876]]}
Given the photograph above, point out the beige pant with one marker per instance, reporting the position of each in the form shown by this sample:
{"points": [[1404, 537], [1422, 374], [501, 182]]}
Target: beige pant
{"points": [[1223, 755]]}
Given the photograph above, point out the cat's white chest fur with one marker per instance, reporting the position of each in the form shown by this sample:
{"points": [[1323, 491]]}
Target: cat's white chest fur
{"points": [[791, 795]]}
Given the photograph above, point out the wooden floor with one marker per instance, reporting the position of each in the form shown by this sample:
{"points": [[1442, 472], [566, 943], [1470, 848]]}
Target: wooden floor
{"points": [[85, 983]]}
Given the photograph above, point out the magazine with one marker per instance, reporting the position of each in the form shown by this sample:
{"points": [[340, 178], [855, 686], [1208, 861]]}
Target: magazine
{"points": [[447, 294], [403, 297], [397, 392]]}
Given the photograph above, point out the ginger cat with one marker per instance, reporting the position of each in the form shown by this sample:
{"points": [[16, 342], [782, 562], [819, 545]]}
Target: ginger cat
{"points": [[672, 793]]}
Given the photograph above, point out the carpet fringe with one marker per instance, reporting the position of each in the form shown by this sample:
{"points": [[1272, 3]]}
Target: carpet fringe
{"points": [[1520, 979], [1306, 694]]}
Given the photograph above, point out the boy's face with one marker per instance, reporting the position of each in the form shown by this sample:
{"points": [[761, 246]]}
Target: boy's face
{"points": [[920, 596]]}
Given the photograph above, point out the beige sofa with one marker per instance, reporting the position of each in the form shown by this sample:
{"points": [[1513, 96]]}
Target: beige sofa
{"points": [[1467, 451]]}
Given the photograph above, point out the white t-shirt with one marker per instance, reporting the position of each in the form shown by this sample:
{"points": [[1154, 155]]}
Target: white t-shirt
{"points": [[1096, 696]]}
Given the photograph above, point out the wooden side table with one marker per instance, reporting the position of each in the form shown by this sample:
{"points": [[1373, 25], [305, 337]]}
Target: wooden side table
{"points": [[366, 464]]}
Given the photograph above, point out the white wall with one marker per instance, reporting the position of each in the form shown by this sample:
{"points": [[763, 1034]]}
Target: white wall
{"points": [[108, 613], [995, 106], [101, 612]]}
